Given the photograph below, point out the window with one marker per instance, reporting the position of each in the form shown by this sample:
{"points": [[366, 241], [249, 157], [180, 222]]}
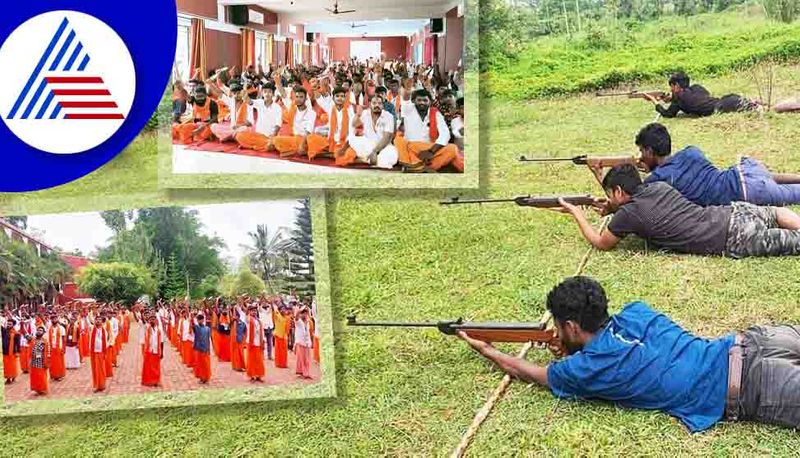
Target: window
{"points": [[263, 54], [183, 53]]}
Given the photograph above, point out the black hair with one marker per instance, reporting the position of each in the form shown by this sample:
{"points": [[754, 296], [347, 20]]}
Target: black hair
{"points": [[339, 90], [656, 137], [579, 299], [446, 92], [300, 89], [624, 176], [381, 90], [460, 102], [679, 78], [270, 86], [421, 93]]}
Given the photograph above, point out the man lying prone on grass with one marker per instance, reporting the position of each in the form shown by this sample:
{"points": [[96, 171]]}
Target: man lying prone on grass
{"points": [[661, 215], [639, 358]]}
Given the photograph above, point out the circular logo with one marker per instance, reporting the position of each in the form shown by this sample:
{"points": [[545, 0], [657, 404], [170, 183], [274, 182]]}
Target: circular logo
{"points": [[73, 84], [78, 82]]}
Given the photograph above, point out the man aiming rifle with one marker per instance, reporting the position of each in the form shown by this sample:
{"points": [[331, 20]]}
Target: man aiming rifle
{"points": [[696, 100], [641, 359]]}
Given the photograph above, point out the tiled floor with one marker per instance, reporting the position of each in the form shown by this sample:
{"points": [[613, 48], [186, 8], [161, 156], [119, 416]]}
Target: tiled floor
{"points": [[174, 376]]}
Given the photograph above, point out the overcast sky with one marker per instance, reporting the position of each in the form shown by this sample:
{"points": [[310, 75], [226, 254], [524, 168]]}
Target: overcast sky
{"points": [[230, 222]]}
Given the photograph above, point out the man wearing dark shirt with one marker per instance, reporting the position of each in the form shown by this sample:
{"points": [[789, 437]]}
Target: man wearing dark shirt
{"points": [[641, 359], [694, 176], [387, 106], [696, 100], [659, 214]]}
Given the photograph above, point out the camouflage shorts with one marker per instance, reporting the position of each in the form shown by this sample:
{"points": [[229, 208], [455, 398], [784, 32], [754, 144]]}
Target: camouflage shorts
{"points": [[754, 231]]}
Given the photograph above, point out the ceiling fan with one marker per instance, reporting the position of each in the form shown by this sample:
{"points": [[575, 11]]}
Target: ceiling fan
{"points": [[355, 26], [335, 9]]}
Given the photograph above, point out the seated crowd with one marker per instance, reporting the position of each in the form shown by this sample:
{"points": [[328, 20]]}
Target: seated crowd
{"points": [[383, 114]]}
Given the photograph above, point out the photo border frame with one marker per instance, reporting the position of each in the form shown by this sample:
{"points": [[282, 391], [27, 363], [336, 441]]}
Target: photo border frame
{"points": [[325, 388]]}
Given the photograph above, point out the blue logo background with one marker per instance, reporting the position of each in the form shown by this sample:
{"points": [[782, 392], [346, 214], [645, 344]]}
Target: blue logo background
{"points": [[149, 29]]}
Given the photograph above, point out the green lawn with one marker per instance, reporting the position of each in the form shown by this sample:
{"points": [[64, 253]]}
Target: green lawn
{"points": [[607, 55], [414, 392]]}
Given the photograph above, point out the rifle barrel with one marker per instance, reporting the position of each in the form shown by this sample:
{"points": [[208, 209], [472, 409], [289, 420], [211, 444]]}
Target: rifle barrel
{"points": [[352, 321], [459, 201], [546, 159]]}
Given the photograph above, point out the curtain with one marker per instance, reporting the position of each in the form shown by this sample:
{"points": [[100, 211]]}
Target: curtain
{"points": [[289, 52], [248, 48], [270, 49], [199, 58], [427, 56]]}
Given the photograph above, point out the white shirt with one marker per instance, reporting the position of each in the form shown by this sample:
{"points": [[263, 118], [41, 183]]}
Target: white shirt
{"points": [[456, 125], [266, 318], [304, 122], [154, 344], [326, 102], [340, 120], [98, 339], [301, 334], [417, 129], [376, 130], [58, 334], [269, 117], [114, 328], [353, 99], [185, 334], [230, 102], [258, 331]]}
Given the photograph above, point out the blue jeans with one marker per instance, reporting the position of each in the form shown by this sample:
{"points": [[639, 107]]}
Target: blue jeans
{"points": [[762, 188]]}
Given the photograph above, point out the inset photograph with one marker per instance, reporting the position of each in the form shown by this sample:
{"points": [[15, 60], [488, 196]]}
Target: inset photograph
{"points": [[140, 305], [337, 90]]}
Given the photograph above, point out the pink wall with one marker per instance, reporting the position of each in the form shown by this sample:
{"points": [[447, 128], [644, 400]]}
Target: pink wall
{"points": [[223, 49], [391, 47], [203, 8]]}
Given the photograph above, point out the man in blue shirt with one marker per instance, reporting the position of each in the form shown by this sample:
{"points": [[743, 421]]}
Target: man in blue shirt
{"points": [[641, 359], [202, 350], [694, 176]]}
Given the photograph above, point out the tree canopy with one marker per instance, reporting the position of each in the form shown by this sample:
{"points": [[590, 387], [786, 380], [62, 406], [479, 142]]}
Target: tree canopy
{"points": [[117, 281]]}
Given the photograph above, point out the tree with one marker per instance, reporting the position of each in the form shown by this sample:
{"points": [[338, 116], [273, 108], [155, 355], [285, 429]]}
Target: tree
{"points": [[162, 232], [175, 284], [267, 252], [210, 286], [244, 282], [116, 282], [301, 254], [25, 275], [115, 219]]}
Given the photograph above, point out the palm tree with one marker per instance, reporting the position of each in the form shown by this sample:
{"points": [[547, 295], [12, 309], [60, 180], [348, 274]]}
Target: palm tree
{"points": [[266, 251]]}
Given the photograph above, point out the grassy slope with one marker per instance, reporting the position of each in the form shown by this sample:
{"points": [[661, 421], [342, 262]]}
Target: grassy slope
{"points": [[702, 45], [415, 392]]}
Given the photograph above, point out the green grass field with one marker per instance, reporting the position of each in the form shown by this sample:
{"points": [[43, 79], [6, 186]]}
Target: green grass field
{"points": [[404, 257], [605, 56]]}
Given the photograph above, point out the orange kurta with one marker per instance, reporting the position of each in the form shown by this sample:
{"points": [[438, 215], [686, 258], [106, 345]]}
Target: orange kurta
{"points": [[11, 365], [83, 343], [224, 346], [409, 154], [98, 361], [237, 352], [202, 365], [25, 359], [255, 353], [281, 343], [39, 382], [151, 365], [58, 367]]}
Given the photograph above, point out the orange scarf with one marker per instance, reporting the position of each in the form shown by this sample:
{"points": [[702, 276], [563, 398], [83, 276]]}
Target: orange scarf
{"points": [[433, 123], [94, 339], [335, 126], [57, 336], [202, 113], [241, 114], [288, 120]]}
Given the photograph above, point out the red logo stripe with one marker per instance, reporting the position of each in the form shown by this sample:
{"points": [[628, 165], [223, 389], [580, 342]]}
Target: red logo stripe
{"points": [[94, 116], [88, 105], [74, 79], [81, 92]]}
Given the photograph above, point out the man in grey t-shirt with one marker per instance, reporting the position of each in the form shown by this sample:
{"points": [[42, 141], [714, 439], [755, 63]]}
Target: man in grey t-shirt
{"points": [[661, 215]]}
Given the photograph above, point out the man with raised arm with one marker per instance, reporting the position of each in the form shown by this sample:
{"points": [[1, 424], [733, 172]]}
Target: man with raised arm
{"points": [[641, 359]]}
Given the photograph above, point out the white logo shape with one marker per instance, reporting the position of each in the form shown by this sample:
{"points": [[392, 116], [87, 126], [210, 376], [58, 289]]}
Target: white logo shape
{"points": [[67, 84]]}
